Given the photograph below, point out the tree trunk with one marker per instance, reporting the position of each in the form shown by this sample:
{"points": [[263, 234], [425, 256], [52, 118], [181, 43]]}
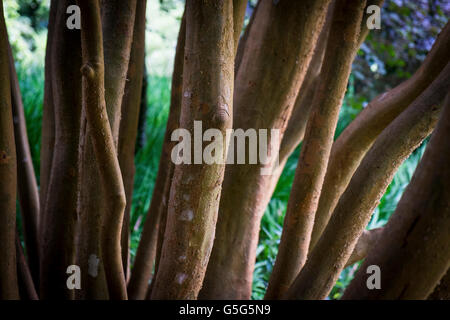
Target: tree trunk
{"points": [[279, 46], [365, 189], [8, 175], [130, 118], [147, 249], [103, 143], [60, 211], [26, 178], [412, 253], [192, 211], [312, 164], [353, 143]]}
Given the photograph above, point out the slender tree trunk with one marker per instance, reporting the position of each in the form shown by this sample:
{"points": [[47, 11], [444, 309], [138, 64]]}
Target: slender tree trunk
{"points": [[130, 117], [353, 143], [193, 206], [413, 253], [103, 143], [58, 233], [8, 175], [147, 249], [365, 189], [312, 164], [48, 119], [279, 46], [26, 178]]}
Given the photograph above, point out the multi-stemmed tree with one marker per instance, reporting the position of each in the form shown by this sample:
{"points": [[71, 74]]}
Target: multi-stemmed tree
{"points": [[288, 71]]}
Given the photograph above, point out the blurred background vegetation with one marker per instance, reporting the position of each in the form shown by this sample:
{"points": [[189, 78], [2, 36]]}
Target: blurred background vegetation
{"points": [[387, 57]]}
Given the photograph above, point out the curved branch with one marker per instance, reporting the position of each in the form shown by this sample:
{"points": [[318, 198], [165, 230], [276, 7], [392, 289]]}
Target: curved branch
{"points": [[103, 142], [353, 143], [412, 253], [365, 189], [312, 164]]}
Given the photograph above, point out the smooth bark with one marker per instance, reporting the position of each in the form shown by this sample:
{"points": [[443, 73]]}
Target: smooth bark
{"points": [[103, 143], [364, 191], [312, 163], [8, 175], [413, 253], [279, 46], [26, 179], [130, 110], [59, 229], [356, 139]]}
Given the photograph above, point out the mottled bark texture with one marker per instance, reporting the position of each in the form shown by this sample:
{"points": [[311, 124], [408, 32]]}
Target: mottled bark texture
{"points": [[8, 176], [148, 245], [356, 139], [60, 210], [101, 134], [26, 179], [312, 163], [365, 189], [413, 251], [277, 53], [130, 110], [208, 76]]}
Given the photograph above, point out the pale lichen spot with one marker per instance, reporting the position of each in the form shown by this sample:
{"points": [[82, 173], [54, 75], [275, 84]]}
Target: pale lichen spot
{"points": [[187, 215], [182, 258], [187, 94], [180, 277]]}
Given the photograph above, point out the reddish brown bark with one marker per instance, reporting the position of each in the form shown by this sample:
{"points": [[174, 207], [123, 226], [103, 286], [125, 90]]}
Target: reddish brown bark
{"points": [[26, 178], [130, 118], [148, 245], [58, 231], [365, 189], [412, 252], [353, 143], [8, 176], [312, 164], [103, 143], [48, 123], [192, 209], [278, 49]]}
